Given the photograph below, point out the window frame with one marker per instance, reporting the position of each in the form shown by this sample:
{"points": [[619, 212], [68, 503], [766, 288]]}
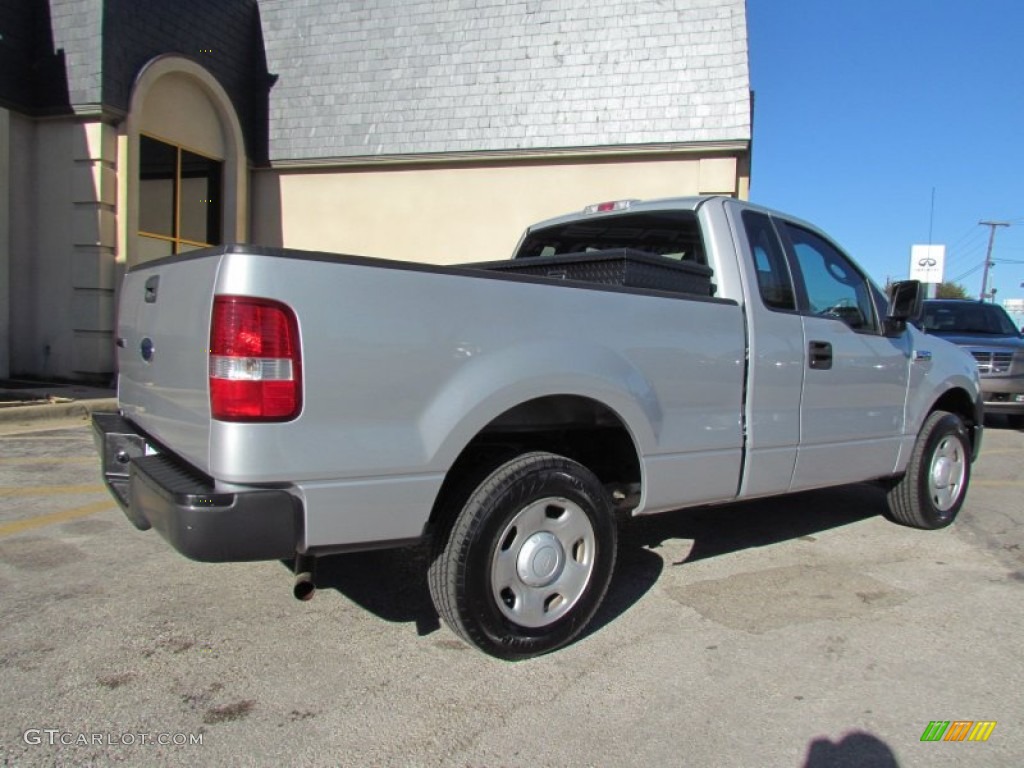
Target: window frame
{"points": [[178, 243]]}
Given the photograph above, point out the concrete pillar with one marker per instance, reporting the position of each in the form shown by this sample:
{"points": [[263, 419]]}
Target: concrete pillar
{"points": [[94, 241], [5, 244]]}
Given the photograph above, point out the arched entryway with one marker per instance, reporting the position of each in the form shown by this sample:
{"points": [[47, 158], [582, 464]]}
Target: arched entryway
{"points": [[186, 184]]}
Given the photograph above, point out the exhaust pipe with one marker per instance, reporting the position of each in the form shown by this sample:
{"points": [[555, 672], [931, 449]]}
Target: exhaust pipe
{"points": [[305, 577]]}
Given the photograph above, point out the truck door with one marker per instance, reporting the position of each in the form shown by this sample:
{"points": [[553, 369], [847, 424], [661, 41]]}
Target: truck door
{"points": [[855, 379], [775, 361]]}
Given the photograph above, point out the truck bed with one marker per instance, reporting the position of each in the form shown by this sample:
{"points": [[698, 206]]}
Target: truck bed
{"points": [[403, 363]]}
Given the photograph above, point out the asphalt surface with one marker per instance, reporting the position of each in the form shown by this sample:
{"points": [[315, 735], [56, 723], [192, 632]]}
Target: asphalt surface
{"points": [[806, 631]]}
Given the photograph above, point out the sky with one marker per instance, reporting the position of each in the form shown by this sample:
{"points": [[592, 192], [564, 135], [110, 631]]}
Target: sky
{"points": [[867, 110]]}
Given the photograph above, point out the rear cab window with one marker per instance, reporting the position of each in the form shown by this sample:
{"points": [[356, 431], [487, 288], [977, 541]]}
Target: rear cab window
{"points": [[674, 235]]}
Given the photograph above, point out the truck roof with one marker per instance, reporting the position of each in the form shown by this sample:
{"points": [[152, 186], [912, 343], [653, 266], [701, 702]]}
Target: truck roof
{"points": [[630, 206], [691, 203]]}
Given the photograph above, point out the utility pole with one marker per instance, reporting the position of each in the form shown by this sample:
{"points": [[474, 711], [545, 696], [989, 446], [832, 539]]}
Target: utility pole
{"points": [[988, 254]]}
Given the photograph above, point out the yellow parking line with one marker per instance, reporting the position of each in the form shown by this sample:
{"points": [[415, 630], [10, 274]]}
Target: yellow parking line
{"points": [[20, 526], [49, 490]]}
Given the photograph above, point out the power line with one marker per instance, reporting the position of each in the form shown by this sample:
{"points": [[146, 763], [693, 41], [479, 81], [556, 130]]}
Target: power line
{"points": [[967, 249], [966, 274], [968, 235], [969, 255]]}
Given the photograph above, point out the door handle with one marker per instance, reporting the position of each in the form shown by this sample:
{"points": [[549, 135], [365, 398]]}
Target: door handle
{"points": [[819, 355]]}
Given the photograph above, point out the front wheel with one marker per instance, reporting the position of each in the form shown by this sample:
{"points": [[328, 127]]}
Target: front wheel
{"points": [[528, 557], [932, 491]]}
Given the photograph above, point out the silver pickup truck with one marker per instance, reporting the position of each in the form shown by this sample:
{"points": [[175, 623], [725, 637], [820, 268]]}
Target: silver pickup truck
{"points": [[634, 358]]}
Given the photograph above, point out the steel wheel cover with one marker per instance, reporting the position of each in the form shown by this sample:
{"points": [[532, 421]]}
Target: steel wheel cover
{"points": [[946, 474], [543, 562]]}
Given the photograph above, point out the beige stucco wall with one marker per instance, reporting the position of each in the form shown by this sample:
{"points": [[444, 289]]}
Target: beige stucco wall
{"points": [[176, 109], [458, 213], [69, 213]]}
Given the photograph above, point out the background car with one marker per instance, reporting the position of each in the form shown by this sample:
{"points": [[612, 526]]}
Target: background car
{"points": [[988, 333]]}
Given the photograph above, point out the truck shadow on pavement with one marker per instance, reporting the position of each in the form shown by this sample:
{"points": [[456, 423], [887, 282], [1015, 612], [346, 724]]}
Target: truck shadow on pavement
{"points": [[725, 529], [728, 528], [392, 584], [389, 583]]}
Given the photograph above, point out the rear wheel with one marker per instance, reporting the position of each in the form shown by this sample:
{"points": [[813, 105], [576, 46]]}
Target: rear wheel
{"points": [[528, 557], [932, 491]]}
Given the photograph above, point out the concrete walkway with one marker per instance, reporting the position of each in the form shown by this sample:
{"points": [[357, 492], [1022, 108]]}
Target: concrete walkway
{"points": [[23, 401]]}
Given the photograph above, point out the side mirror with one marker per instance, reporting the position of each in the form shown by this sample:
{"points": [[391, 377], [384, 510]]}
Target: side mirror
{"points": [[904, 304]]}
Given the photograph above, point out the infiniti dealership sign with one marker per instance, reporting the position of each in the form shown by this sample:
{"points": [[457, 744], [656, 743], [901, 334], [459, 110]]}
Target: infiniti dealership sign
{"points": [[927, 263]]}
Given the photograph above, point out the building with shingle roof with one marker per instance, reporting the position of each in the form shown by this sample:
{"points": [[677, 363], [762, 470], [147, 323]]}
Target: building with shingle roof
{"points": [[429, 130], [475, 76]]}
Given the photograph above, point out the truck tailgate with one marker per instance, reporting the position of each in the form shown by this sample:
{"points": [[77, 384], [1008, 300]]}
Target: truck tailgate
{"points": [[163, 334]]}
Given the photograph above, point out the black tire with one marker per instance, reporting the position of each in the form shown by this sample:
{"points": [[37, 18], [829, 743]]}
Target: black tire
{"points": [[527, 557], [933, 489]]}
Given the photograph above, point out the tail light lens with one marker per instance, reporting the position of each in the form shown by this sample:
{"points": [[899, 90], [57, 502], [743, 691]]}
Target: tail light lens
{"points": [[255, 362]]}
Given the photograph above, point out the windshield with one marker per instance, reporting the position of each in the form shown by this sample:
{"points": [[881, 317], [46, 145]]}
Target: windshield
{"points": [[673, 234], [968, 317]]}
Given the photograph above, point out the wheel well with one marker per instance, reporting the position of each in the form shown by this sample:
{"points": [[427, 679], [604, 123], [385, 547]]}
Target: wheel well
{"points": [[578, 428], [959, 402]]}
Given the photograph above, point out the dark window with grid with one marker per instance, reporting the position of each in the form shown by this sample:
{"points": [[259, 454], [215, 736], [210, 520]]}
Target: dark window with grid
{"points": [[179, 199]]}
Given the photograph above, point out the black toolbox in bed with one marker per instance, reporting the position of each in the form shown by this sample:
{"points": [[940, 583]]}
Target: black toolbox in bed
{"points": [[626, 267]]}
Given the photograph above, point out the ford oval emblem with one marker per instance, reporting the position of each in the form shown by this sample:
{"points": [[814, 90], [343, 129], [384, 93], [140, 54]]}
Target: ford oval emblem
{"points": [[146, 348]]}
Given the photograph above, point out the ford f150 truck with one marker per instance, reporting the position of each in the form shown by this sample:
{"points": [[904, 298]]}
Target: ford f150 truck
{"points": [[277, 404]]}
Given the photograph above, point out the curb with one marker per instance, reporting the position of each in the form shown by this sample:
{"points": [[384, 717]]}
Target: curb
{"points": [[81, 409]]}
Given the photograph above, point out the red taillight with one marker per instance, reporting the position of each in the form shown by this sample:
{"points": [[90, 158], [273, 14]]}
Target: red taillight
{"points": [[255, 363]]}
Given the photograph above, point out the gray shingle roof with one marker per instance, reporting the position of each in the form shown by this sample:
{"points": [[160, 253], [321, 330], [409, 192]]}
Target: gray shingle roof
{"points": [[387, 77], [76, 26]]}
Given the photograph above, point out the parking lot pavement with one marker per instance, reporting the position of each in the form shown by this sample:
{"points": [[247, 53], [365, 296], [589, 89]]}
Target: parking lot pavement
{"points": [[806, 631]]}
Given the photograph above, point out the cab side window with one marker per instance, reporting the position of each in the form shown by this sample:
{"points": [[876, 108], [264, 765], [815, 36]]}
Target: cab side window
{"points": [[834, 287], [773, 278]]}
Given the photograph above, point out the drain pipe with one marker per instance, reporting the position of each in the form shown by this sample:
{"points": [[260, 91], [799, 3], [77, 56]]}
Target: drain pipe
{"points": [[305, 577]]}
